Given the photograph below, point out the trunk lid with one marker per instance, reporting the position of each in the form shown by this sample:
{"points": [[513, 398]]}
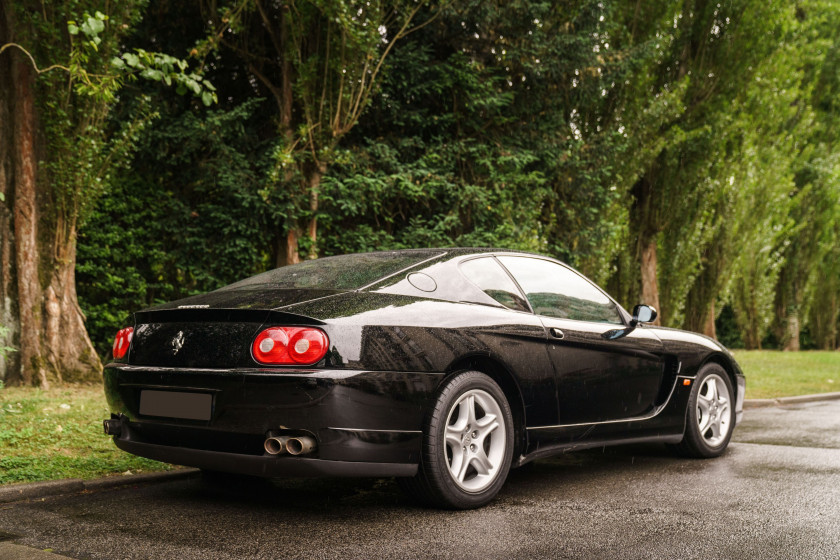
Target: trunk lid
{"points": [[213, 330]]}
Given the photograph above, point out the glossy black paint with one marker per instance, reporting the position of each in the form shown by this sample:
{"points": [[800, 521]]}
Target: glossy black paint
{"points": [[599, 379], [571, 384]]}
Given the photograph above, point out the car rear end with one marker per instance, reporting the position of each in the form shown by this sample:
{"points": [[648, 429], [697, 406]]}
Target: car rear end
{"points": [[194, 383]]}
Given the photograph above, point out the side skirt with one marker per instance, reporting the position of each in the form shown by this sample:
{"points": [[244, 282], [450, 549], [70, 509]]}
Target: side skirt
{"points": [[560, 448], [665, 423]]}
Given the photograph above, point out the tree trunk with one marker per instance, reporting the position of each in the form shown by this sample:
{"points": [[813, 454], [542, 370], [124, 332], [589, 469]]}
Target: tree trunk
{"points": [[65, 321], [792, 335], [650, 288], [752, 336], [709, 326], [30, 295], [38, 267], [8, 290], [647, 224], [287, 250], [314, 183]]}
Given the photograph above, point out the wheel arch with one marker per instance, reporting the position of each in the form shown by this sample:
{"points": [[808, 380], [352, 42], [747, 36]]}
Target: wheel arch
{"points": [[507, 382], [726, 363]]}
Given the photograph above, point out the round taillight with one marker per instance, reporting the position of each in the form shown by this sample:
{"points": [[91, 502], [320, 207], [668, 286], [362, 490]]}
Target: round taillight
{"points": [[290, 346], [122, 341]]}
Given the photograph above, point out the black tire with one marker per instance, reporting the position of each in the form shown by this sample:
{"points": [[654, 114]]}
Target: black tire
{"points": [[485, 439], [710, 419]]}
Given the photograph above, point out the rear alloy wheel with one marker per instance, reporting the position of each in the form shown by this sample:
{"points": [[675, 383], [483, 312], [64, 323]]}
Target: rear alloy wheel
{"points": [[711, 414], [467, 444]]}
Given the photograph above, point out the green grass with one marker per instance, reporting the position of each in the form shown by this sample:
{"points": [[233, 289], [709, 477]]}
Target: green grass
{"points": [[772, 374], [54, 434]]}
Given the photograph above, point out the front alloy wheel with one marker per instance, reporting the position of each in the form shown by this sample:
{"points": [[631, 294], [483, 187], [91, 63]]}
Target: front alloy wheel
{"points": [[467, 444], [710, 417], [713, 404]]}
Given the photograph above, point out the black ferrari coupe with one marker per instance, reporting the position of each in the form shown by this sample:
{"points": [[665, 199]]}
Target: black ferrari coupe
{"points": [[442, 367]]}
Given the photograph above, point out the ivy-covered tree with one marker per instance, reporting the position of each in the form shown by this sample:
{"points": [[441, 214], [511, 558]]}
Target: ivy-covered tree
{"points": [[321, 62], [60, 69]]}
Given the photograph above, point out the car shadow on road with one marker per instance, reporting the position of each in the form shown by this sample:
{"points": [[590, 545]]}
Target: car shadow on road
{"points": [[312, 495]]}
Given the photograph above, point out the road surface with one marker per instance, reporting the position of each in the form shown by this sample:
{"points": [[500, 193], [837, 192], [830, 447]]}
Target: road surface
{"points": [[774, 494]]}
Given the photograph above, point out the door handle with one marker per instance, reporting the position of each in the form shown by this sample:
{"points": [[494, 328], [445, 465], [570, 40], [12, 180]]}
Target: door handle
{"points": [[556, 333]]}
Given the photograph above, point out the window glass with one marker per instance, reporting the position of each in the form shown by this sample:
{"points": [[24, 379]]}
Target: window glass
{"points": [[557, 291], [344, 272], [494, 281]]}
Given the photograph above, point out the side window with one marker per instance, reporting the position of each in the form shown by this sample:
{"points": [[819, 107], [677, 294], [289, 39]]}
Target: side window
{"points": [[494, 281], [556, 291]]}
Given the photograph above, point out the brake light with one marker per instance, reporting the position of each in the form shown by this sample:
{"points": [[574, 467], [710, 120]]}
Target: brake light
{"points": [[290, 345], [122, 342]]}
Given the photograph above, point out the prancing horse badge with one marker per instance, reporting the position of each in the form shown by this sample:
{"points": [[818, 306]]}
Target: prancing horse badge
{"points": [[177, 342]]}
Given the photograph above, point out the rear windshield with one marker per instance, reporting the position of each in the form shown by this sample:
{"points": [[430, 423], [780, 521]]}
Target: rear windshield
{"points": [[343, 272]]}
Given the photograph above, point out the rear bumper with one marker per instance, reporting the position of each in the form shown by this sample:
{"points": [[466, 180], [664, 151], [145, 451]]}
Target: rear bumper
{"points": [[254, 465], [364, 423]]}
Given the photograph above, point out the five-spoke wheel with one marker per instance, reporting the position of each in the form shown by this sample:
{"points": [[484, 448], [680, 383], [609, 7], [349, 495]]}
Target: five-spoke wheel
{"points": [[467, 444], [475, 440], [711, 414]]}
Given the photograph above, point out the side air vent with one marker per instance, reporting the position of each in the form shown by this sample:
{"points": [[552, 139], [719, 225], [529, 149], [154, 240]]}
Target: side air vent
{"points": [[669, 377]]}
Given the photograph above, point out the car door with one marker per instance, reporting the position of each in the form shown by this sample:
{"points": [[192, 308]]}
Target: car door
{"points": [[605, 370], [517, 340]]}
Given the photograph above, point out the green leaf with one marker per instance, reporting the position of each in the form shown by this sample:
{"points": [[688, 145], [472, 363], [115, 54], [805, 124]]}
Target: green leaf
{"points": [[152, 74], [72, 28], [118, 63], [96, 25], [131, 59], [207, 98]]}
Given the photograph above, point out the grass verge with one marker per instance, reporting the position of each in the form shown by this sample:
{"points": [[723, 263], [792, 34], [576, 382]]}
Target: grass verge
{"points": [[772, 374], [54, 434]]}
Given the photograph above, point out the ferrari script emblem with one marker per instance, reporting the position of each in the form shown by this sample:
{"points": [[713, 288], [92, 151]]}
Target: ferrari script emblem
{"points": [[177, 342]]}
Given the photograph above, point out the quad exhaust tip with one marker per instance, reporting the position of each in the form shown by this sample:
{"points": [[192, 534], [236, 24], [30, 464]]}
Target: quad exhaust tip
{"points": [[297, 445], [112, 426], [275, 445], [300, 445]]}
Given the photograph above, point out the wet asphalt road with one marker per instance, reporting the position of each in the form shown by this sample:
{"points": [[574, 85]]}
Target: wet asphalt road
{"points": [[774, 494]]}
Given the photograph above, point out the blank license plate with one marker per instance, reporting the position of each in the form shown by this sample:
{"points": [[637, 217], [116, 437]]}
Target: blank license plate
{"points": [[190, 406]]}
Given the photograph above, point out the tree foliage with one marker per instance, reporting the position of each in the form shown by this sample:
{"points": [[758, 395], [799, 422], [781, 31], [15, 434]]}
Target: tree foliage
{"points": [[187, 220], [678, 151]]}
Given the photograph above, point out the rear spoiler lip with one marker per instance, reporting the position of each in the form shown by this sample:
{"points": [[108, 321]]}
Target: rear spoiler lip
{"points": [[223, 315]]}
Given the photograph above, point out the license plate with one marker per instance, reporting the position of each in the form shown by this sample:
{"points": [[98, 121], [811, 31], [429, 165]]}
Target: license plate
{"points": [[171, 404]]}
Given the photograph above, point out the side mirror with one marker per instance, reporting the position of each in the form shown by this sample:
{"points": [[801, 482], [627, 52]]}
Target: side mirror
{"points": [[643, 314]]}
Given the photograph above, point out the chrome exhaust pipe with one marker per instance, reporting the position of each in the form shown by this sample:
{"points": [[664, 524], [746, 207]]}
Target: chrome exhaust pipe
{"points": [[300, 445], [276, 445], [113, 427]]}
